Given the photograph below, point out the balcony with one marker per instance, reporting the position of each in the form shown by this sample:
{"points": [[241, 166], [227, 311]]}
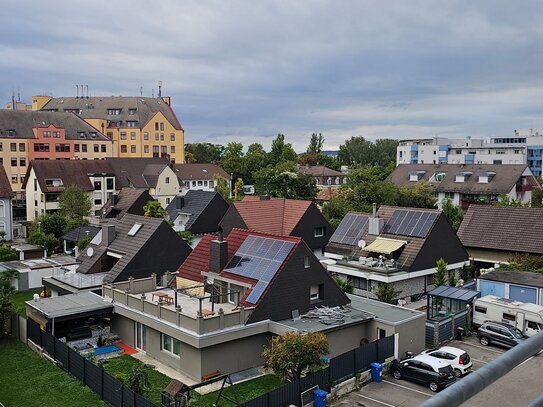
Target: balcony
{"points": [[370, 264], [524, 188]]}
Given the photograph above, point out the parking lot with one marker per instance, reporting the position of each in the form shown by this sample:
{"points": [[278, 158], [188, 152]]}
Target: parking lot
{"points": [[518, 388]]}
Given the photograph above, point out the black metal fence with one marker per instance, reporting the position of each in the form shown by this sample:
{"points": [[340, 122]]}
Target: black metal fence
{"points": [[341, 368], [440, 331], [110, 389]]}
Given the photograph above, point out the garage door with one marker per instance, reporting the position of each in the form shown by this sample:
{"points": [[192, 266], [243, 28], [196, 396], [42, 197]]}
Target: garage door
{"points": [[491, 288], [523, 294]]}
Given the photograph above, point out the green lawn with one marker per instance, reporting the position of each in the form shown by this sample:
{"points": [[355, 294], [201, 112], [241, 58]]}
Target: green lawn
{"points": [[20, 298], [122, 366], [28, 380]]}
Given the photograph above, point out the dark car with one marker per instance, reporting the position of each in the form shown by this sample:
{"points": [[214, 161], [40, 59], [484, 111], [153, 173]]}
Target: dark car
{"points": [[426, 370], [500, 333]]}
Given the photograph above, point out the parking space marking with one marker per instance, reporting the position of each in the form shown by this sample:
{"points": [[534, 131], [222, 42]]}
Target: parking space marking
{"points": [[483, 347], [480, 361], [377, 401], [527, 360], [408, 388]]}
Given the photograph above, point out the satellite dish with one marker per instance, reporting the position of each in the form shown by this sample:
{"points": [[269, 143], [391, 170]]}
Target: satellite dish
{"points": [[361, 244], [90, 251]]}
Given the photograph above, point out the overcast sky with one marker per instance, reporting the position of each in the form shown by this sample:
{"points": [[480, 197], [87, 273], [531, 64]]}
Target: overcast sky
{"points": [[246, 70]]}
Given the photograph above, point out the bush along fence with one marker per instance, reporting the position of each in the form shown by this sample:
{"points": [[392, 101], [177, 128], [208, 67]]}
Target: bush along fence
{"points": [[341, 368], [110, 389]]}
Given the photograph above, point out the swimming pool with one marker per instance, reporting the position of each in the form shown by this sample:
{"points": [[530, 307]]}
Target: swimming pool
{"points": [[106, 349]]}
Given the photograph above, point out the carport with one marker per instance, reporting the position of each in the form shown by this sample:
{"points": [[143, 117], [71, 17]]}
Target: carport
{"points": [[445, 301]]}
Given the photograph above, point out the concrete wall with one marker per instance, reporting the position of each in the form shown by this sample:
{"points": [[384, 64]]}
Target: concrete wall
{"points": [[347, 338], [411, 336]]}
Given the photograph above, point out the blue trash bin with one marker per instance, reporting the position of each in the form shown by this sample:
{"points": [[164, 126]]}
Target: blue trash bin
{"points": [[319, 396], [376, 372]]}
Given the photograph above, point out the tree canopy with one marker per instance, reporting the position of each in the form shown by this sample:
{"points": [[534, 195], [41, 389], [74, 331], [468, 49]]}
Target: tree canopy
{"points": [[74, 203], [282, 181], [454, 213], [358, 150], [316, 143], [153, 209]]}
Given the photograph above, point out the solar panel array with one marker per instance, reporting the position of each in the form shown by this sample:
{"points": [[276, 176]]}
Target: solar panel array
{"points": [[259, 258], [410, 223], [351, 229]]}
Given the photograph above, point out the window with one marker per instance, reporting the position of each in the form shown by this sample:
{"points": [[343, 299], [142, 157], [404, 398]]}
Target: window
{"points": [[172, 149], [81, 134], [171, 345], [306, 262], [41, 147], [482, 310], [168, 200], [1, 149], [167, 180], [211, 184], [508, 317], [132, 111], [123, 135], [14, 162], [172, 136], [2, 209], [155, 149], [133, 149], [103, 148], [62, 148], [131, 123], [200, 183], [132, 135], [98, 201], [113, 112], [161, 136], [14, 179], [146, 149], [381, 333], [109, 183], [96, 148], [156, 136], [205, 183], [13, 147], [316, 292], [320, 231], [97, 185], [161, 126], [22, 162], [56, 134], [164, 149], [123, 148], [22, 147], [76, 148], [47, 134], [146, 135], [134, 229], [156, 126], [84, 148], [22, 179]]}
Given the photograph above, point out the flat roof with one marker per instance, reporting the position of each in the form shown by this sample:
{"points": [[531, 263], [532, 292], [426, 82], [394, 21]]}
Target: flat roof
{"points": [[393, 314], [515, 277], [41, 263], [351, 316], [80, 280], [71, 304], [453, 293]]}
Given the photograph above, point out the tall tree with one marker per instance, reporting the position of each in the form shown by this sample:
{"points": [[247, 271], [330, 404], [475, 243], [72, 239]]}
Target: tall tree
{"points": [[74, 203], [356, 150], [384, 151], [453, 212], [255, 159], [315, 143], [292, 354], [281, 151], [222, 187], [7, 291], [233, 161], [440, 276], [386, 293], [153, 209], [204, 152], [285, 183]]}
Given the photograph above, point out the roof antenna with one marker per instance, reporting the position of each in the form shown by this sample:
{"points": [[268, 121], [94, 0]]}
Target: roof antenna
{"points": [[18, 94], [87, 91], [159, 89], [12, 99], [82, 92], [153, 92], [77, 87], [141, 91]]}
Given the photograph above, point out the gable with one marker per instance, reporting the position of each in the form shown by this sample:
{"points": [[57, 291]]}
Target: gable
{"points": [[231, 219]]}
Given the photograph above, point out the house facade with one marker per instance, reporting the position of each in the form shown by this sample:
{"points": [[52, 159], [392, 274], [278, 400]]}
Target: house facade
{"points": [[395, 246], [470, 184], [201, 177], [137, 126], [284, 217], [46, 180]]}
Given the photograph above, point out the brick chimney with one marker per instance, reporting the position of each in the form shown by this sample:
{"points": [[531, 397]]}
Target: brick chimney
{"points": [[218, 254], [108, 235]]}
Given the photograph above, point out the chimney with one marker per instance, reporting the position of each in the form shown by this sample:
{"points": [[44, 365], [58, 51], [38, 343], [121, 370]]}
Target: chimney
{"points": [[375, 224], [108, 235], [114, 199], [179, 202], [218, 254]]}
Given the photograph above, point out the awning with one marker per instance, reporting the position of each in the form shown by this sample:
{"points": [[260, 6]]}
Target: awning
{"points": [[385, 246]]}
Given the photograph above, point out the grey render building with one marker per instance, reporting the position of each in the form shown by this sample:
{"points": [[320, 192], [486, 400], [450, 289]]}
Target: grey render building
{"points": [[394, 245], [230, 297]]}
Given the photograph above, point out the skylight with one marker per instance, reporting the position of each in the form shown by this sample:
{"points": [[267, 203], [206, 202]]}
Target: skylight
{"points": [[134, 229]]}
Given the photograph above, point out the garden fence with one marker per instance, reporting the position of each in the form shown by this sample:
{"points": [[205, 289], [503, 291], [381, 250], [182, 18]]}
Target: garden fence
{"points": [[110, 389]]}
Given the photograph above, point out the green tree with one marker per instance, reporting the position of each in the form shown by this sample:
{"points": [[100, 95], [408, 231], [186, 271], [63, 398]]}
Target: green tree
{"points": [[467, 272], [281, 151], [386, 293], [452, 278], [453, 212], [186, 235], [345, 285], [7, 291], [255, 159], [440, 275], [337, 207], [7, 253], [537, 198], [356, 150], [233, 161], [153, 209], [292, 354], [204, 152], [384, 152], [420, 195], [138, 380], [309, 159], [51, 224], [238, 189], [74, 203], [315, 143], [281, 183], [504, 200], [222, 187], [84, 242]]}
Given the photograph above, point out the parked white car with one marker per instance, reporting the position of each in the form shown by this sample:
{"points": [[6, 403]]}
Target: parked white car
{"points": [[458, 358]]}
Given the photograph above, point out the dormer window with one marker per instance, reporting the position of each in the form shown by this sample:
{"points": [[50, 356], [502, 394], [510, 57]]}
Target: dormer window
{"points": [[81, 134], [113, 112], [131, 123], [132, 111], [439, 176], [53, 182], [11, 133], [485, 177], [462, 176], [416, 175]]}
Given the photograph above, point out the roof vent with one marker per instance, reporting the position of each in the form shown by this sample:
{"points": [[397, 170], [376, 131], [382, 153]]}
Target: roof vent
{"points": [[265, 197]]}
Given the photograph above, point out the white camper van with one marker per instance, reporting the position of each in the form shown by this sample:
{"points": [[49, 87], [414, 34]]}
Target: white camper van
{"points": [[525, 316]]}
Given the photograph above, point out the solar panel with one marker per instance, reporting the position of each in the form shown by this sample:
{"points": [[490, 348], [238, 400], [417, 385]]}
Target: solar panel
{"points": [[259, 258], [351, 228], [410, 223]]}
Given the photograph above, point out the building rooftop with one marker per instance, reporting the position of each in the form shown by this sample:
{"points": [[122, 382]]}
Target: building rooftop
{"points": [[515, 277], [193, 204], [137, 172], [55, 307], [189, 172], [325, 319], [390, 313], [454, 293]]}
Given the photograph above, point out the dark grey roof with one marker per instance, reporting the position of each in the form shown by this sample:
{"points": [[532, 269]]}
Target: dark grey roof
{"points": [[126, 202], [503, 182], [137, 172], [97, 108], [503, 228], [453, 293], [75, 235], [515, 277], [319, 171], [22, 122], [55, 307], [392, 314], [127, 246], [193, 203]]}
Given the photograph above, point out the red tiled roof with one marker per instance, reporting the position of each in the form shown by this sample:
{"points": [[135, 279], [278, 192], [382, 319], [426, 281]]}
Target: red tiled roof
{"points": [[277, 216]]}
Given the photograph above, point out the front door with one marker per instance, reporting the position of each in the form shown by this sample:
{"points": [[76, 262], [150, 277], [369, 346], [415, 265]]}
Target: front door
{"points": [[140, 336]]}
